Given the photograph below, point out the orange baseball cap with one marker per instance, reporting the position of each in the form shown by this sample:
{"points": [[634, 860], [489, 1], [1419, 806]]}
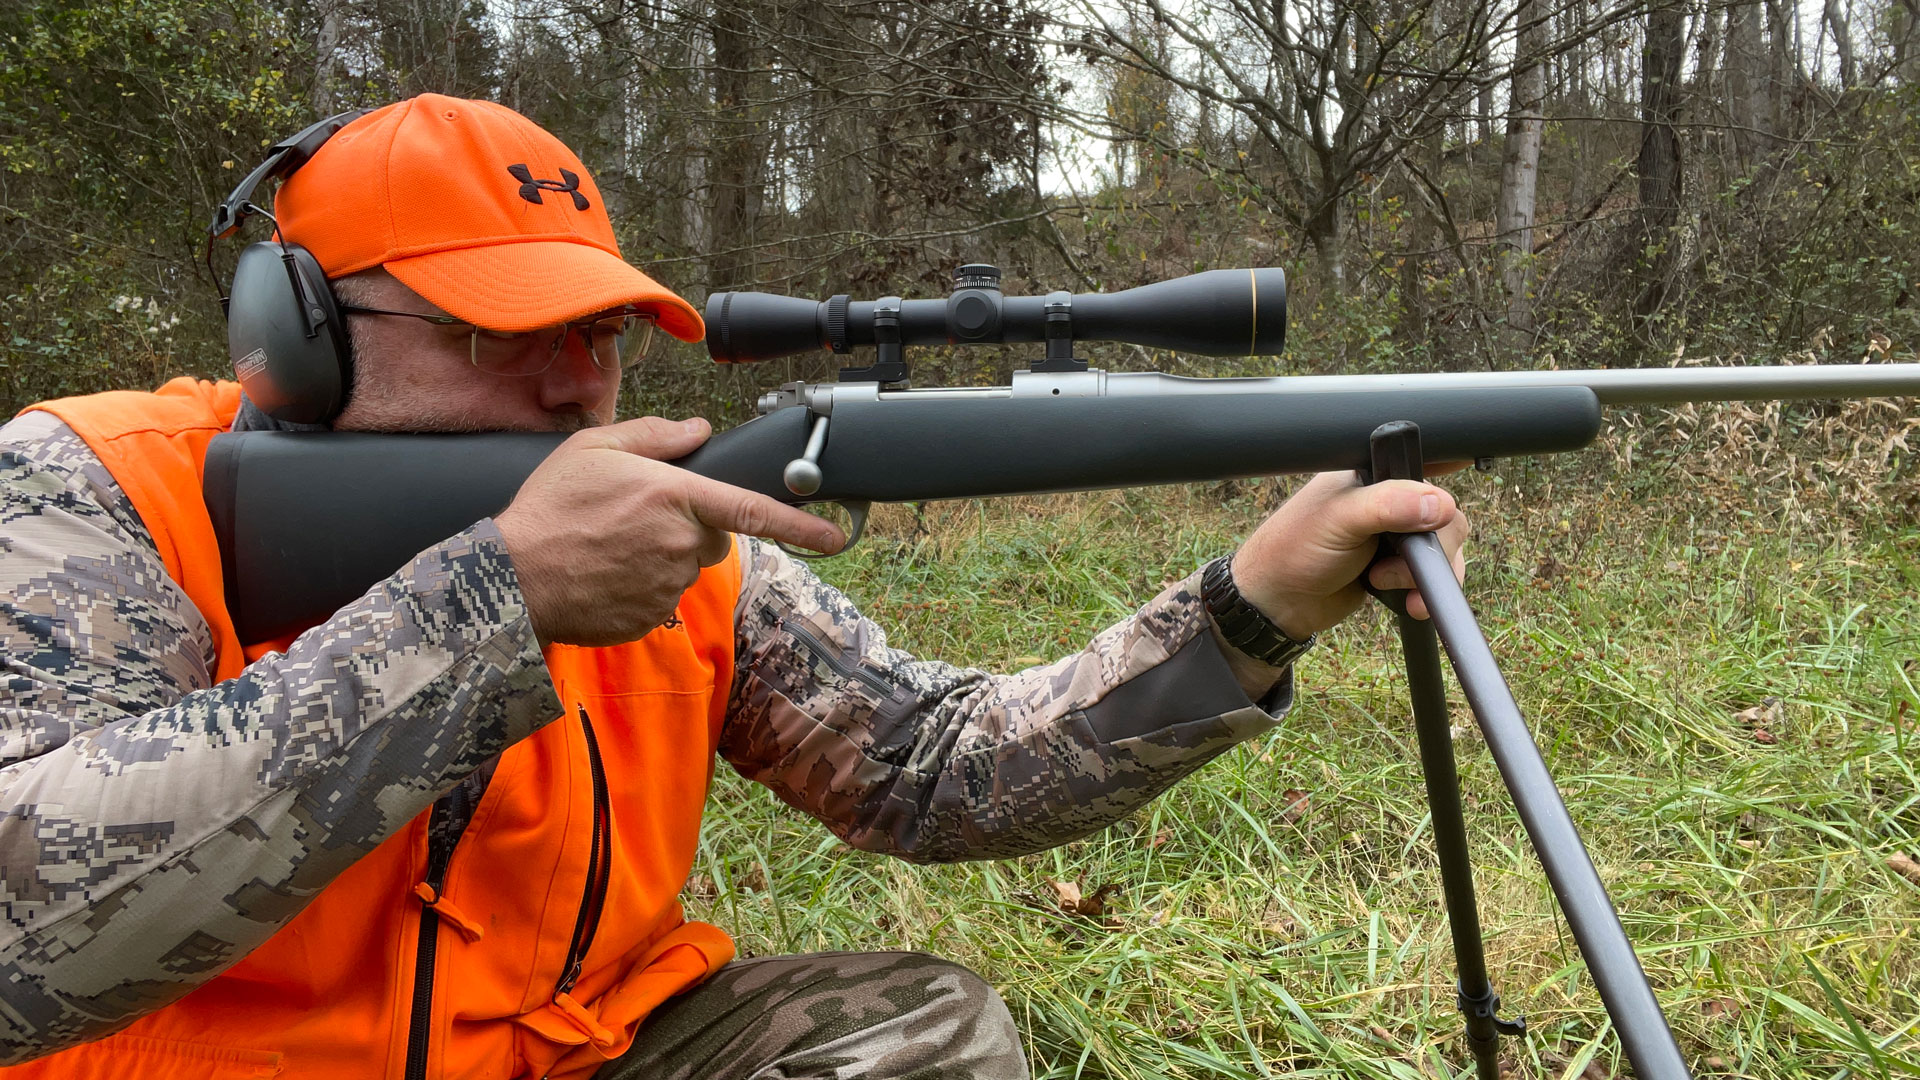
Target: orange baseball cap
{"points": [[476, 208]]}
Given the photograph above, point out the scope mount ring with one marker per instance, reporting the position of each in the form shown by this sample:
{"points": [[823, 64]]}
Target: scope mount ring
{"points": [[889, 362], [857, 511]]}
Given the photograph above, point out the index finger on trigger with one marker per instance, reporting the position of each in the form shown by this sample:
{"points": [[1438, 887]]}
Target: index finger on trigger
{"points": [[723, 506]]}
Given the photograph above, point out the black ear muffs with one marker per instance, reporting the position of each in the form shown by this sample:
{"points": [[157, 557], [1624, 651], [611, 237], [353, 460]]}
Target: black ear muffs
{"points": [[286, 335], [285, 332]]}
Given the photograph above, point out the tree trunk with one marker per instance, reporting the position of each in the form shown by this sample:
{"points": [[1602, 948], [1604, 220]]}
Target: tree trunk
{"points": [[735, 149], [1659, 163], [1781, 50], [1842, 41], [1903, 20], [1483, 122], [1709, 83], [1423, 227], [1519, 175], [1747, 83], [325, 45], [1325, 232]]}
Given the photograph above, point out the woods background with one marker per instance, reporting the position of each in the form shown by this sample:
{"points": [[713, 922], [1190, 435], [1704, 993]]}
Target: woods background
{"points": [[1709, 618], [1452, 183]]}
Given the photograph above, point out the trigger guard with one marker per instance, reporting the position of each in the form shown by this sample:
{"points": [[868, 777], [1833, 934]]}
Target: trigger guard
{"points": [[856, 512]]}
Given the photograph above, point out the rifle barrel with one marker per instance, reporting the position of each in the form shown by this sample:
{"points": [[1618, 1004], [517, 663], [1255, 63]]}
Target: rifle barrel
{"points": [[1617, 386]]}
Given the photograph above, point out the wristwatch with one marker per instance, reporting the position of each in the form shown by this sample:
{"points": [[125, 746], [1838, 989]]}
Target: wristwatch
{"points": [[1242, 624]]}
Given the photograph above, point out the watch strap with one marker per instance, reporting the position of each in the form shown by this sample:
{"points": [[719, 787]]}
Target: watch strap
{"points": [[1242, 625]]}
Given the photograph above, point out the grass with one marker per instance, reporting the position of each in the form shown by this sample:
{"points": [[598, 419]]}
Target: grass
{"points": [[1721, 680]]}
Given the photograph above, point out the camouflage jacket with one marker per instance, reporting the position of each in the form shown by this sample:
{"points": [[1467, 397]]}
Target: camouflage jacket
{"points": [[156, 826]]}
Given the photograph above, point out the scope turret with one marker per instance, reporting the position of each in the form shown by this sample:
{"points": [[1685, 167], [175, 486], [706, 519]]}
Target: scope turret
{"points": [[1215, 313]]}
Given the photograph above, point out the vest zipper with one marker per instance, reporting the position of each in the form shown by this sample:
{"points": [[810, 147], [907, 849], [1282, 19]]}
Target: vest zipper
{"points": [[440, 843], [599, 866]]}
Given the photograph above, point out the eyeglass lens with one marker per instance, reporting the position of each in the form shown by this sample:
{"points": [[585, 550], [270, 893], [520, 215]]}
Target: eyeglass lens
{"points": [[612, 342]]}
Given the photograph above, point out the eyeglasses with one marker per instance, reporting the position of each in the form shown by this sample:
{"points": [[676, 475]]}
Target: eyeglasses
{"points": [[614, 341]]}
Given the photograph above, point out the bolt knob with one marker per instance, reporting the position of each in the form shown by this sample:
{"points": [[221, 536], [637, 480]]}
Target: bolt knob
{"points": [[801, 476]]}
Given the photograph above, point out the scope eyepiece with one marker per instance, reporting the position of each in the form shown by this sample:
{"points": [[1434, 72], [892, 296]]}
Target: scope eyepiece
{"points": [[1215, 313]]}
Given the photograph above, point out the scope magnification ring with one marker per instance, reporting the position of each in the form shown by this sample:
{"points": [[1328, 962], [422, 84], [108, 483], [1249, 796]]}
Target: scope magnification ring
{"points": [[837, 323]]}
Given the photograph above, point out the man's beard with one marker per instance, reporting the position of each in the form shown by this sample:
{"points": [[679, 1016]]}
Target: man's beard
{"points": [[459, 422]]}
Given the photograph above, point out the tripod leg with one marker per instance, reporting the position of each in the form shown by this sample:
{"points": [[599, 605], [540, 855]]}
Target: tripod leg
{"points": [[1589, 911], [1617, 974], [1397, 458], [1477, 999]]}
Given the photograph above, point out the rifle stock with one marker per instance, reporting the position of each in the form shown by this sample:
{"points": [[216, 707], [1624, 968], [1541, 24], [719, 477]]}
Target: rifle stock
{"points": [[307, 522]]}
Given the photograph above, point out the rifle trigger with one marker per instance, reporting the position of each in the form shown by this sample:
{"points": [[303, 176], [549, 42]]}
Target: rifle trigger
{"points": [[857, 510]]}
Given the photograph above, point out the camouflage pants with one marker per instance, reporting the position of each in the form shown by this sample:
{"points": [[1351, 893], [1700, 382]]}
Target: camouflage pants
{"points": [[829, 1016]]}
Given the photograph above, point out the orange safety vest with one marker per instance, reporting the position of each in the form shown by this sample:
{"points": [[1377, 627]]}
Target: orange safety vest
{"points": [[333, 993]]}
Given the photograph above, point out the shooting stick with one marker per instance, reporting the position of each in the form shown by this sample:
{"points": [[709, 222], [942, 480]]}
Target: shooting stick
{"points": [[1603, 942]]}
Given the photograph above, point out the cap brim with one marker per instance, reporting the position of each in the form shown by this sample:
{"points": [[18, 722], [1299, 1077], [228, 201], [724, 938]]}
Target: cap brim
{"points": [[536, 283]]}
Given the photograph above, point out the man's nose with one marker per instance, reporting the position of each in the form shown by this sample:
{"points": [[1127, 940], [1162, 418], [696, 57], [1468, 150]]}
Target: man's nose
{"points": [[574, 379]]}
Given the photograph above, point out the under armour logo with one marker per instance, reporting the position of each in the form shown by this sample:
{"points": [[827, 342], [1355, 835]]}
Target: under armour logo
{"points": [[530, 188], [673, 622]]}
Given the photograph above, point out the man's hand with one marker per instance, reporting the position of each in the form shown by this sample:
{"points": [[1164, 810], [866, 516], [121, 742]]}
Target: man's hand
{"points": [[1302, 566], [605, 536]]}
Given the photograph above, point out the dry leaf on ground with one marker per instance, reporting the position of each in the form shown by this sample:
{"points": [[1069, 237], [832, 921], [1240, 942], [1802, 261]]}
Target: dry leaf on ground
{"points": [[1764, 715], [1092, 905], [1904, 865], [1720, 1009]]}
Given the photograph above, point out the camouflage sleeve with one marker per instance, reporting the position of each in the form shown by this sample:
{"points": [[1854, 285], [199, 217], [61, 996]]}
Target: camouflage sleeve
{"points": [[935, 763], [154, 826]]}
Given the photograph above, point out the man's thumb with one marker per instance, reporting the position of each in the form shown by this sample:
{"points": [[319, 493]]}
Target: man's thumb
{"points": [[653, 437]]}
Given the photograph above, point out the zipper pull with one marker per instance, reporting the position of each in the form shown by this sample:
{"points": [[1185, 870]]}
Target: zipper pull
{"points": [[568, 978], [596, 1033], [461, 921]]}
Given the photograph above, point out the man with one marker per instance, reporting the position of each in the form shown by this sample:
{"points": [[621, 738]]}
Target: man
{"points": [[441, 834]]}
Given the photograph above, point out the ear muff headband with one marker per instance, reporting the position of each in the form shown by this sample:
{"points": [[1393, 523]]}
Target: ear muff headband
{"points": [[289, 345], [282, 158]]}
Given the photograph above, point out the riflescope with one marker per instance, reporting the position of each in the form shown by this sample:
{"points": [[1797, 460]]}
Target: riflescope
{"points": [[1215, 313]]}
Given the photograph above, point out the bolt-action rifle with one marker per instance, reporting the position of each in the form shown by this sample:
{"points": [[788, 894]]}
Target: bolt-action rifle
{"points": [[308, 522]]}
